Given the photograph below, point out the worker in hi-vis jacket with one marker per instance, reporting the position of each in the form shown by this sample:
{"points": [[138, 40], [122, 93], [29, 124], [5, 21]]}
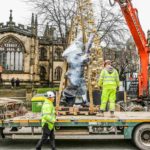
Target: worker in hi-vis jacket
{"points": [[48, 120], [109, 82]]}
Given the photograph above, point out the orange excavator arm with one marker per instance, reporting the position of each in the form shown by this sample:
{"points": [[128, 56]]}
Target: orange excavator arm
{"points": [[131, 17]]}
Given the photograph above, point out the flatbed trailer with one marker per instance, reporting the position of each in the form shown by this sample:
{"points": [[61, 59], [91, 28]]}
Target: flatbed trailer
{"points": [[127, 125]]}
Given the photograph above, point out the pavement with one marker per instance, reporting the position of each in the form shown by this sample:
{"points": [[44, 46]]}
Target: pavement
{"points": [[70, 145]]}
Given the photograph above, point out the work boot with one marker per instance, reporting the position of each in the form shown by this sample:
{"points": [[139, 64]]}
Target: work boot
{"points": [[112, 115], [100, 113]]}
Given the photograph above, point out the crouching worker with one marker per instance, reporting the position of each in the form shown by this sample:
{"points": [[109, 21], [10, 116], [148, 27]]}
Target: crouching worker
{"points": [[109, 82], [48, 120]]}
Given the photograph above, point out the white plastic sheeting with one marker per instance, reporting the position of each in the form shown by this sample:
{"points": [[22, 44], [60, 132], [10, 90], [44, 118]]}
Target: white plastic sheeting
{"points": [[76, 59]]}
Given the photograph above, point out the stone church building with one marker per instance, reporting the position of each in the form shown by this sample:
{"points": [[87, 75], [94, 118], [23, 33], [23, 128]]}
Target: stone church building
{"points": [[31, 58]]}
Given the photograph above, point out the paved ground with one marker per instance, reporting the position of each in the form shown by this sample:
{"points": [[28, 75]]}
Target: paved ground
{"points": [[70, 145]]}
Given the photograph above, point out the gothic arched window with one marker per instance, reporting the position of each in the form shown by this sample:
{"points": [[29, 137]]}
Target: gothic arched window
{"points": [[43, 53], [58, 72], [11, 54], [58, 54], [42, 73]]}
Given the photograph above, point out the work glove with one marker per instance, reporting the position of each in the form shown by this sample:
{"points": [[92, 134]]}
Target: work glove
{"points": [[117, 89]]}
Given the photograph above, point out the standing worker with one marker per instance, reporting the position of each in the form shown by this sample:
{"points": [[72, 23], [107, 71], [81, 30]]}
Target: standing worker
{"points": [[48, 120], [109, 82], [12, 83]]}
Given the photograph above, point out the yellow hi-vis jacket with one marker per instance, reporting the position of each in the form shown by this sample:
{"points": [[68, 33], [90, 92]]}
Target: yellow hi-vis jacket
{"points": [[108, 80], [48, 114]]}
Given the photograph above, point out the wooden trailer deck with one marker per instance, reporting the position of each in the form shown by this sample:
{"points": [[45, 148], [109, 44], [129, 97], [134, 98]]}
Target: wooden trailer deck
{"points": [[127, 125], [33, 119]]}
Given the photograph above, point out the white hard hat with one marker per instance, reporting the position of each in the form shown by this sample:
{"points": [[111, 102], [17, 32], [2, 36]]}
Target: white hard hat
{"points": [[50, 94]]}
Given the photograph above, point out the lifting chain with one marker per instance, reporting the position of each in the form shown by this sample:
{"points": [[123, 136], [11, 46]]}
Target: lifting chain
{"points": [[122, 1], [112, 2]]}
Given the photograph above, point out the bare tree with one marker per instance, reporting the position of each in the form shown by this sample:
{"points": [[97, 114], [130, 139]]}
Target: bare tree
{"points": [[111, 26], [126, 60], [58, 13], [114, 37]]}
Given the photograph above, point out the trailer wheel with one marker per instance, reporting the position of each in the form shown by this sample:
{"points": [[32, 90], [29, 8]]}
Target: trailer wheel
{"points": [[141, 137], [135, 108]]}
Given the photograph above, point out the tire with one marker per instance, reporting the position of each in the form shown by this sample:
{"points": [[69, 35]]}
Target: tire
{"points": [[135, 108], [141, 136]]}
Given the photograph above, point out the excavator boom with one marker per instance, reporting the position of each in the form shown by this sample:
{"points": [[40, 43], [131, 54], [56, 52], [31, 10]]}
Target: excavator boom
{"points": [[131, 16]]}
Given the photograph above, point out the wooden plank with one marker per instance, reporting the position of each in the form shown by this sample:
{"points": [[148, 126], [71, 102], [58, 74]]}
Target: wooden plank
{"points": [[1, 69], [61, 86], [118, 115], [75, 111], [34, 121], [86, 113], [90, 91], [61, 113]]}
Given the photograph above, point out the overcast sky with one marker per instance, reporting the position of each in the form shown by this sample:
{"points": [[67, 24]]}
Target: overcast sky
{"points": [[22, 12]]}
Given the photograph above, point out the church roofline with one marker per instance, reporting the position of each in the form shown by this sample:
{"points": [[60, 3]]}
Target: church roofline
{"points": [[20, 29], [12, 27]]}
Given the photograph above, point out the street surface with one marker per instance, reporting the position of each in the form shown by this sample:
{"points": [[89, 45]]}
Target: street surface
{"points": [[70, 145]]}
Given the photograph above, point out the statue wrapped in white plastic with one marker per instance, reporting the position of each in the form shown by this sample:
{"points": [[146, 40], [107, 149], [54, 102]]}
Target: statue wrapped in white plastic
{"points": [[76, 59]]}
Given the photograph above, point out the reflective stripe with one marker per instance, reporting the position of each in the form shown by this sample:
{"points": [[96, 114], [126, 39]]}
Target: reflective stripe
{"points": [[46, 114], [110, 79]]}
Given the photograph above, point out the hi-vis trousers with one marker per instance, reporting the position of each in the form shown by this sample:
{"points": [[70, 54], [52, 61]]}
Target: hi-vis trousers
{"points": [[108, 95]]}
